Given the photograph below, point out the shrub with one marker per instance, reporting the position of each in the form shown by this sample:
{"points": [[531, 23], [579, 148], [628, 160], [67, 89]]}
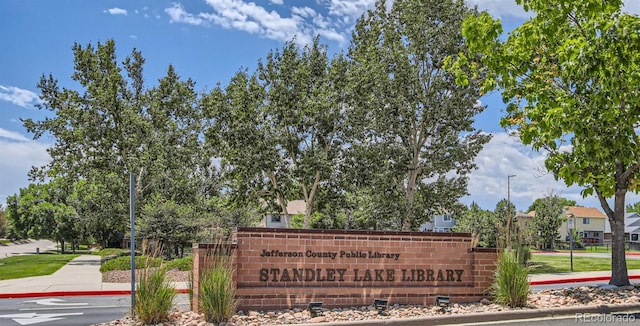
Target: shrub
{"points": [[154, 296], [183, 264], [124, 263], [217, 289], [523, 253], [112, 252], [511, 284]]}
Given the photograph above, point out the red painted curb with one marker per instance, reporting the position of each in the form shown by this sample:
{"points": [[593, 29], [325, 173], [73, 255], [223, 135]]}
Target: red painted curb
{"points": [[578, 280], [72, 293]]}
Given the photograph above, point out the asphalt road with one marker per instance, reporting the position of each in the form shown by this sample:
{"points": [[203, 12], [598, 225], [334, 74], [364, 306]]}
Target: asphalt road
{"points": [[70, 311], [26, 248], [627, 318], [63, 311]]}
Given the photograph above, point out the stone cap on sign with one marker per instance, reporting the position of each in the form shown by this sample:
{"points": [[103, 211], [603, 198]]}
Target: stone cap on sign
{"points": [[226, 245], [350, 232]]}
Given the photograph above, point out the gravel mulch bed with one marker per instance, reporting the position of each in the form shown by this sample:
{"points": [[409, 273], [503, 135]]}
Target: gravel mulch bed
{"points": [[117, 276], [570, 297]]}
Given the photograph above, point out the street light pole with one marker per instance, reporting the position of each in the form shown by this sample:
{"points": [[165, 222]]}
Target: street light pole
{"points": [[571, 224], [509, 217]]}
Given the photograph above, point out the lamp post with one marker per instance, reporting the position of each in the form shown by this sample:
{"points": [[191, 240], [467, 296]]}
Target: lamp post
{"points": [[571, 222], [509, 218]]}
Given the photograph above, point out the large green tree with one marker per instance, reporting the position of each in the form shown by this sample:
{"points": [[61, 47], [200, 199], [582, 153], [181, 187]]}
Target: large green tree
{"points": [[548, 218], [108, 125], [570, 77], [278, 130], [412, 137], [4, 228], [633, 207], [482, 224], [43, 211], [539, 202]]}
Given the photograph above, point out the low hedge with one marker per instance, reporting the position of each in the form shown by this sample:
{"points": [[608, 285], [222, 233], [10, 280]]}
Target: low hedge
{"points": [[123, 263], [183, 264], [117, 252]]}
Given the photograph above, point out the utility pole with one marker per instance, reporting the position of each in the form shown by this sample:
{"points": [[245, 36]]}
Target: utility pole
{"points": [[509, 215]]}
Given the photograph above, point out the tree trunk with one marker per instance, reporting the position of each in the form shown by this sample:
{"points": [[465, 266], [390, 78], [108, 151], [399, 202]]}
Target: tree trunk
{"points": [[619, 273], [407, 221]]}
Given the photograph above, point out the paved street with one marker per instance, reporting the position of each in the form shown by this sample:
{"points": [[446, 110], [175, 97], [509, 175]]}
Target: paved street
{"points": [[70, 311], [63, 311], [26, 248]]}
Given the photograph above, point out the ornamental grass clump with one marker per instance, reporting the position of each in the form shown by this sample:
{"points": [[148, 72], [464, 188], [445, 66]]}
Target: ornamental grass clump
{"points": [[154, 296], [217, 292], [511, 284]]}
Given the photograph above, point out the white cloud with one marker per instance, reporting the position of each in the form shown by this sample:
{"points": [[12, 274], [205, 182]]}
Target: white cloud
{"points": [[177, 14], [350, 10], [277, 2], [632, 6], [303, 23], [116, 11], [12, 135], [18, 96], [505, 155], [19, 158], [501, 8]]}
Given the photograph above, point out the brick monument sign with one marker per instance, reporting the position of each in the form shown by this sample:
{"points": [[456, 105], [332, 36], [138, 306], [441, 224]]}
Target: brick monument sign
{"points": [[286, 268]]}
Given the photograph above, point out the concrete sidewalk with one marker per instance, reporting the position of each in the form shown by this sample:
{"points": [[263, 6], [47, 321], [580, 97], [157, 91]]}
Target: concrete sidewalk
{"points": [[80, 276]]}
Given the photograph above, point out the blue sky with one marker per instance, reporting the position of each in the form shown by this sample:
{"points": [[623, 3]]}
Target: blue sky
{"points": [[209, 41]]}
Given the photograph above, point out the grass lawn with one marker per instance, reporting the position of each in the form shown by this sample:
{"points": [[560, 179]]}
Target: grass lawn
{"points": [[542, 264], [32, 265]]}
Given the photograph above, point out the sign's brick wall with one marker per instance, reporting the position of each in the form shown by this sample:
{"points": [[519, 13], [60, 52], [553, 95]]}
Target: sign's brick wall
{"points": [[283, 268]]}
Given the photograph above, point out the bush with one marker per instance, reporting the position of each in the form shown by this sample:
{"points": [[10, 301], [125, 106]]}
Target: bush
{"points": [[523, 253], [154, 297], [123, 263], [217, 290], [183, 264], [511, 284], [117, 252]]}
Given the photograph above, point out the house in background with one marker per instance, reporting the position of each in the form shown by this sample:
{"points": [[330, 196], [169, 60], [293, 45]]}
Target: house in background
{"points": [[524, 220], [294, 207], [589, 222], [439, 223], [631, 228]]}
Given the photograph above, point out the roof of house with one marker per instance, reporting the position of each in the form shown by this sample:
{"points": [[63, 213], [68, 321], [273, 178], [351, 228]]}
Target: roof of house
{"points": [[580, 211], [631, 223], [298, 206]]}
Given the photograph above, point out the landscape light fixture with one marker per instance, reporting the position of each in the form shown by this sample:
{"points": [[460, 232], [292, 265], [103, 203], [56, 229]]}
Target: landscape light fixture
{"points": [[315, 308], [380, 305], [442, 302]]}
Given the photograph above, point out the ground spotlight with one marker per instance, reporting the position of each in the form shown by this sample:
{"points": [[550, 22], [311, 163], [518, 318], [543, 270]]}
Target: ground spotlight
{"points": [[315, 308], [380, 305]]}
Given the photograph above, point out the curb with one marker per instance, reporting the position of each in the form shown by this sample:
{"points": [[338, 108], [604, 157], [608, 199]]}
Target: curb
{"points": [[72, 293], [576, 312], [578, 280]]}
